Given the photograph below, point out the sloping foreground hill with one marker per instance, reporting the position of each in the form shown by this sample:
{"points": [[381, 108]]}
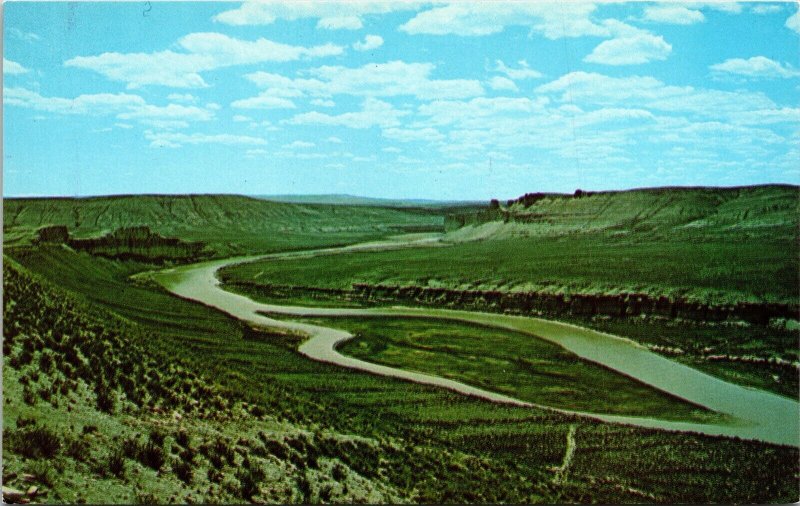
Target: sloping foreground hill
{"points": [[743, 211], [229, 224]]}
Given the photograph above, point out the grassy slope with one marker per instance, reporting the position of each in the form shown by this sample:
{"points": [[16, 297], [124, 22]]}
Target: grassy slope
{"points": [[713, 245], [95, 416], [502, 361], [230, 224], [442, 447], [715, 269]]}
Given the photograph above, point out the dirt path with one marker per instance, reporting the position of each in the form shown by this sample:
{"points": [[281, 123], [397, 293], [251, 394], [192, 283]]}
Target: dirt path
{"points": [[561, 471], [758, 415]]}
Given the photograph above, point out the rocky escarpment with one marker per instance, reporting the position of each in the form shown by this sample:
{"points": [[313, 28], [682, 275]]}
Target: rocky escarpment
{"points": [[540, 304], [127, 243]]}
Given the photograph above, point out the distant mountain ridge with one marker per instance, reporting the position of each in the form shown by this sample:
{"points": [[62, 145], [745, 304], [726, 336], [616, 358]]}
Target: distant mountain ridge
{"points": [[355, 200]]}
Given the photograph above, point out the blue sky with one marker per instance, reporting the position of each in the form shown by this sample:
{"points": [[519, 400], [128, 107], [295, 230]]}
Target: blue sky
{"points": [[464, 100]]}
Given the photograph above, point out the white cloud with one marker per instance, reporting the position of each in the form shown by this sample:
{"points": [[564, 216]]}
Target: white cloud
{"points": [[502, 83], [395, 78], [565, 19], [524, 72], [334, 140], [13, 68], [763, 9], [124, 106], [391, 149], [727, 7], [340, 23], [253, 153], [263, 101], [174, 140], [323, 103], [675, 14], [23, 36], [477, 112], [96, 104], [373, 113], [650, 93], [205, 52], [413, 134], [168, 112], [238, 118], [757, 66], [332, 14], [124, 126], [630, 46], [299, 145], [182, 97], [793, 23], [370, 42]]}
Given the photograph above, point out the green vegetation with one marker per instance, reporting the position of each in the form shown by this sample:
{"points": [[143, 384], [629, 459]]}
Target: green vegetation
{"points": [[228, 224], [507, 362], [116, 391], [676, 213], [721, 270], [409, 441]]}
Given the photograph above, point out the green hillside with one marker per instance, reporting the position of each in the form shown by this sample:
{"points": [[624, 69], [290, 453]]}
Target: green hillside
{"points": [[745, 211], [256, 420], [228, 224]]}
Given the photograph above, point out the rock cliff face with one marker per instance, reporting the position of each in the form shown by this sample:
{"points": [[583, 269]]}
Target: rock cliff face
{"points": [[541, 304]]}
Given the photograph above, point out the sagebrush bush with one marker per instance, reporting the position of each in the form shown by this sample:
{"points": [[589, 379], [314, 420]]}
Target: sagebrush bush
{"points": [[35, 442]]}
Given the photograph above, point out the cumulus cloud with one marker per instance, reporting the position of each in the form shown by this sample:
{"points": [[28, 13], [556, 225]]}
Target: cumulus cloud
{"points": [[124, 106], [630, 46], [566, 19], [523, 72], [373, 113], [299, 145], [176, 140], [96, 104], [793, 23], [263, 101], [204, 52], [673, 14], [757, 66], [763, 9], [370, 42], [413, 134], [182, 97], [13, 68], [649, 93], [395, 78], [332, 15], [502, 84]]}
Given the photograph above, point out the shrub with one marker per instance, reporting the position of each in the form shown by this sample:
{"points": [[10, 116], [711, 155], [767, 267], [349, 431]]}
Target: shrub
{"points": [[249, 479], [116, 463], [105, 399], [338, 472], [78, 449], [36, 442], [151, 455], [183, 438], [183, 470], [157, 437]]}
